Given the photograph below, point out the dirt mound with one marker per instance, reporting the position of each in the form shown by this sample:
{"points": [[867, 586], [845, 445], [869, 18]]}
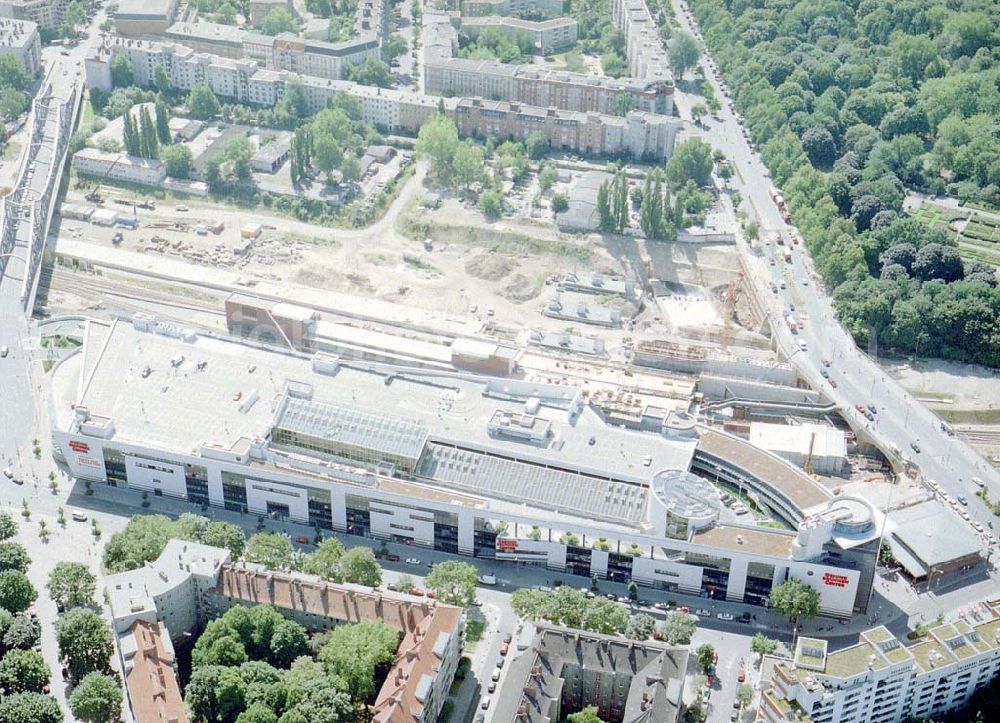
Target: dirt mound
{"points": [[521, 288], [490, 267]]}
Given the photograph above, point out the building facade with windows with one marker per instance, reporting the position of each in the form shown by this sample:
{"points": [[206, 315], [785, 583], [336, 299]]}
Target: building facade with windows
{"points": [[47, 14], [493, 467], [882, 679]]}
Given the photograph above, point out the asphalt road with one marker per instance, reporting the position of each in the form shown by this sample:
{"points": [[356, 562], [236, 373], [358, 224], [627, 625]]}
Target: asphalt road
{"points": [[902, 423]]}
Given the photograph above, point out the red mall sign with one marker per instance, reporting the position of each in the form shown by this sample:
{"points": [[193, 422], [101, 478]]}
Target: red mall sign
{"points": [[79, 447], [506, 544], [835, 580]]}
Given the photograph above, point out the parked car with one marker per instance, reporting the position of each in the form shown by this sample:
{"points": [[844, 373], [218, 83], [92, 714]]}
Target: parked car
{"points": [[412, 561], [302, 540], [724, 616], [392, 558]]}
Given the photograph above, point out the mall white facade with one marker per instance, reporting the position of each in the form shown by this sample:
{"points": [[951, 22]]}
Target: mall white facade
{"points": [[472, 465]]}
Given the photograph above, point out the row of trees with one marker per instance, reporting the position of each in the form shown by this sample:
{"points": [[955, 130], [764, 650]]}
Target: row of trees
{"points": [[253, 666], [850, 107], [84, 641], [146, 535], [14, 82], [497, 44], [143, 139]]}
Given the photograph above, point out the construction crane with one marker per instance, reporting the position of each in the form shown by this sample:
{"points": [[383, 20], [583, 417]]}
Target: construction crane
{"points": [[729, 302]]}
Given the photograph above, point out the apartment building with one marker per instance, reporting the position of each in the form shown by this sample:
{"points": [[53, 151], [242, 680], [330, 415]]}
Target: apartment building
{"points": [[512, 8], [283, 52], [644, 49], [882, 679], [171, 598], [547, 36], [638, 135], [47, 14], [444, 74], [247, 82], [20, 38]]}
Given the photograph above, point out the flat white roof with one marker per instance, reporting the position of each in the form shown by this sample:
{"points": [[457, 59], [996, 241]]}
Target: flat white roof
{"points": [[822, 440], [189, 397]]}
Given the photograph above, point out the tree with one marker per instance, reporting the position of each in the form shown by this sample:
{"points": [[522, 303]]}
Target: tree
{"points": [[13, 74], [640, 627], [360, 567], [536, 145], [355, 652], [258, 713], [16, 591], [744, 694], [226, 535], [215, 693], [560, 204], [288, 642], [161, 81], [603, 616], [605, 222], [467, 165], [23, 671], [678, 628], [279, 20], [325, 560], [97, 699], [269, 549], [393, 47], [30, 708], [149, 145], [491, 204], [763, 645], [795, 600], [162, 122], [371, 72], [8, 527], [937, 261], [71, 584], [587, 715], [22, 632], [692, 160], [202, 103], [437, 140], [121, 71], [84, 641], [819, 145], [683, 53], [404, 583], [178, 161], [705, 655], [454, 582], [13, 557]]}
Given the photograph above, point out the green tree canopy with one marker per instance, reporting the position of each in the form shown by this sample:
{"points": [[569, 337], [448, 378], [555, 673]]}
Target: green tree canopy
{"points": [[202, 103], [8, 527], [22, 632], [279, 20], [270, 549], [84, 641], [360, 567], [356, 652], [683, 52], [97, 699], [30, 708], [453, 582], [16, 591], [691, 161], [23, 671], [678, 628], [324, 561], [437, 141], [795, 600], [13, 556], [72, 584]]}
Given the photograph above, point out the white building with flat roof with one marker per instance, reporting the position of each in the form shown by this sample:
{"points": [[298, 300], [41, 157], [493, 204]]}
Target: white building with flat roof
{"points": [[47, 14], [883, 679], [818, 447], [119, 167], [20, 38], [455, 461]]}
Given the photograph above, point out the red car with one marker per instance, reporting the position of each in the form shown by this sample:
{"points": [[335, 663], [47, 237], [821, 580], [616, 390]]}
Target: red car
{"points": [[504, 647], [302, 540], [683, 609], [392, 558], [742, 676]]}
